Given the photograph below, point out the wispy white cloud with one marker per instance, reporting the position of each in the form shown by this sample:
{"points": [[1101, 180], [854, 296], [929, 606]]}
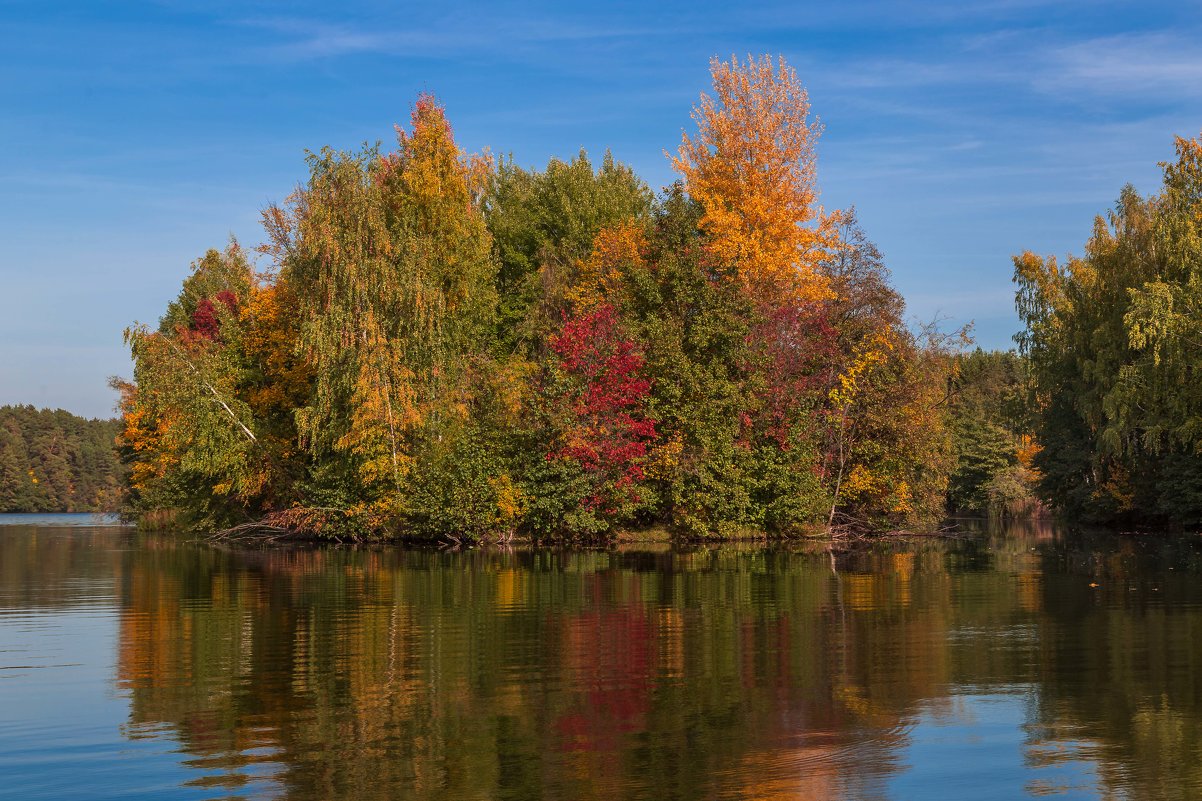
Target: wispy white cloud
{"points": [[297, 39], [303, 39], [1149, 64]]}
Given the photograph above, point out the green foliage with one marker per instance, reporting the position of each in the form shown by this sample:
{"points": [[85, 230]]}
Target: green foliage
{"points": [[555, 510], [53, 461], [543, 225], [454, 350], [1113, 349], [989, 424], [455, 492], [189, 431], [885, 445], [695, 327], [213, 273]]}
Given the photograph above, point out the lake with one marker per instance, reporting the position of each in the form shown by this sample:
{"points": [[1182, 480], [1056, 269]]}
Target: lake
{"points": [[1009, 663]]}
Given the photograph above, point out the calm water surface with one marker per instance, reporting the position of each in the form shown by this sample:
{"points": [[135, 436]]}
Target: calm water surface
{"points": [[137, 666]]}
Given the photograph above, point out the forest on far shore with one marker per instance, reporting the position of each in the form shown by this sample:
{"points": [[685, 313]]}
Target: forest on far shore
{"points": [[54, 461]]}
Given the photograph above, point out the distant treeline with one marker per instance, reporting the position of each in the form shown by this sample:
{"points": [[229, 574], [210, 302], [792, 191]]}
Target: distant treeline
{"points": [[53, 461], [1115, 345]]}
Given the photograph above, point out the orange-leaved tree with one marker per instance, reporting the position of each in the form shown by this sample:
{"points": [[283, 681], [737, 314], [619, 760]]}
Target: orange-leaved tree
{"points": [[599, 276], [752, 166]]}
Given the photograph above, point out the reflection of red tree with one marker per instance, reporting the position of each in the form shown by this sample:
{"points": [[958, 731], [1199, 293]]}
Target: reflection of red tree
{"points": [[610, 656], [766, 649]]}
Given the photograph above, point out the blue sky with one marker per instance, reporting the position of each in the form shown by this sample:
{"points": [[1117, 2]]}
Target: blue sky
{"points": [[136, 135]]}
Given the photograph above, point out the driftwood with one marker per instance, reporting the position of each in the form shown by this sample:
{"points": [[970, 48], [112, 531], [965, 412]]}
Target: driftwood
{"points": [[318, 523], [846, 529], [298, 523], [321, 523]]}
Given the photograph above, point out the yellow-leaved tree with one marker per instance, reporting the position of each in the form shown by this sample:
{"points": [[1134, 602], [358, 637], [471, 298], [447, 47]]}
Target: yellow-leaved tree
{"points": [[752, 166], [389, 261]]}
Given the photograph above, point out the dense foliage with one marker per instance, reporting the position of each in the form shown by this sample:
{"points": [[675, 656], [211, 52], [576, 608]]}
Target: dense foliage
{"points": [[1113, 342], [989, 421], [450, 348], [53, 461]]}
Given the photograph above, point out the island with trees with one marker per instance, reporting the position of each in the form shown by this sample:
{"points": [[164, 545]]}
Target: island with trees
{"points": [[444, 346]]}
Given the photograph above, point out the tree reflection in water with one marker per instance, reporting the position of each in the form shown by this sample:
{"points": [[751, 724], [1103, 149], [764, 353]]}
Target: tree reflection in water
{"points": [[730, 672]]}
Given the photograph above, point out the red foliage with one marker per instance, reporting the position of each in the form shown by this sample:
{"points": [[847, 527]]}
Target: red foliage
{"points": [[795, 345], [607, 433], [229, 299], [205, 322]]}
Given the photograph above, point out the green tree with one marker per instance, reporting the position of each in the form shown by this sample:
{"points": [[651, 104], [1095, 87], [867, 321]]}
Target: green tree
{"points": [[53, 461], [990, 433], [1109, 336], [391, 265], [543, 225]]}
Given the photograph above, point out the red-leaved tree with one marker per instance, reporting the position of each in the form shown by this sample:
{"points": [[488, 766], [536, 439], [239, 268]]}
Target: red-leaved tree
{"points": [[793, 347], [603, 425], [205, 322]]}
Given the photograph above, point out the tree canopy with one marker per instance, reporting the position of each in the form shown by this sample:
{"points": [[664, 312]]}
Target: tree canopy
{"points": [[53, 461], [1113, 346], [448, 347]]}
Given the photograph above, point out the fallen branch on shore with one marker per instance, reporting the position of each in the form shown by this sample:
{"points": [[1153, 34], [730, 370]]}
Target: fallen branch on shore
{"points": [[846, 528]]}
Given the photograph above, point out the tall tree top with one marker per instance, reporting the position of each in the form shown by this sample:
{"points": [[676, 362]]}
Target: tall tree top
{"points": [[753, 168]]}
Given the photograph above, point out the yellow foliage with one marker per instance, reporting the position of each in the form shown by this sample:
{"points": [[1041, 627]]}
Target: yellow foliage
{"points": [[752, 166], [1027, 450], [1118, 487], [384, 409], [664, 458], [508, 384], [600, 274], [859, 481], [902, 499], [511, 503], [868, 356], [270, 340], [144, 434]]}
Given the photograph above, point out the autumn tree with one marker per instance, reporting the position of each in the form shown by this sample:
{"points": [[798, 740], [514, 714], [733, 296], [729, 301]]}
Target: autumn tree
{"points": [[596, 428], [753, 168], [1110, 337], [543, 225], [390, 263], [886, 450], [188, 431], [455, 350]]}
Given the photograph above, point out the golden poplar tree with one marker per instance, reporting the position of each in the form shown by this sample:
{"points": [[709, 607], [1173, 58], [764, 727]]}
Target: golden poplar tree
{"points": [[752, 167]]}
